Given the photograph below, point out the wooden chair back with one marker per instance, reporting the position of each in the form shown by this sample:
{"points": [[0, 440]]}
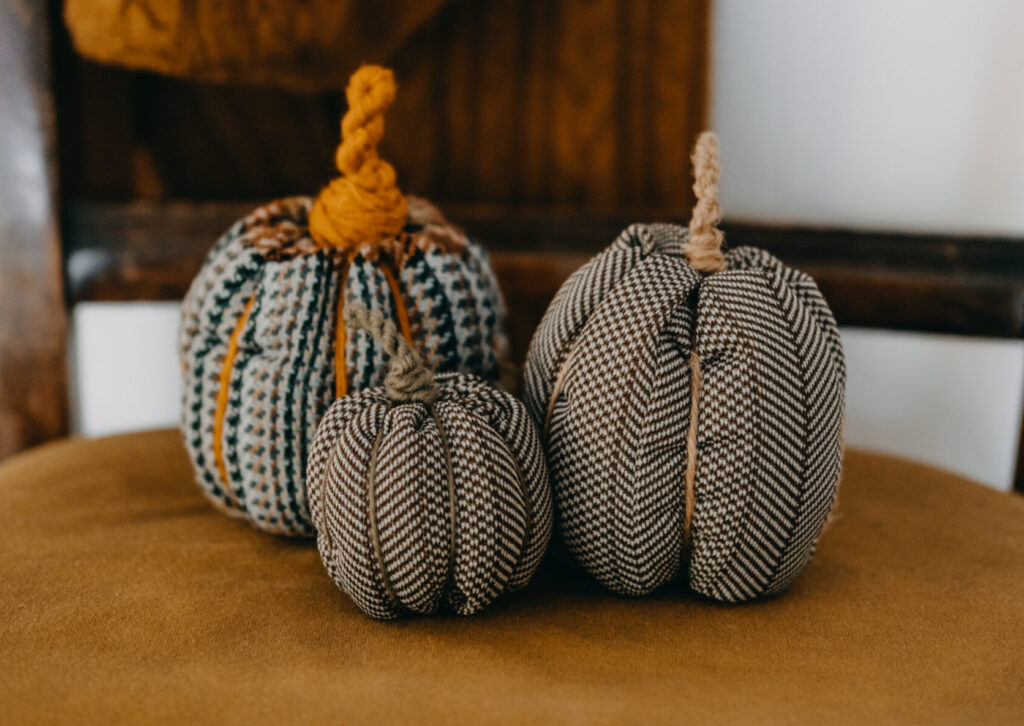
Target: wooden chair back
{"points": [[538, 144]]}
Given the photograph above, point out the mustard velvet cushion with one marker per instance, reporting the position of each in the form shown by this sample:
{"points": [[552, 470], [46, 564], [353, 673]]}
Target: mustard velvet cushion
{"points": [[124, 596]]}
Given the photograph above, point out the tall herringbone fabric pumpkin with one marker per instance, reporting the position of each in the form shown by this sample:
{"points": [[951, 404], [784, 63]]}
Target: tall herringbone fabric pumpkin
{"points": [[691, 404], [261, 346], [427, 491]]}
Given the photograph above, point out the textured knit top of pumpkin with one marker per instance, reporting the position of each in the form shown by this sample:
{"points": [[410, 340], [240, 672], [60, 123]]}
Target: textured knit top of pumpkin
{"points": [[263, 342], [690, 401]]}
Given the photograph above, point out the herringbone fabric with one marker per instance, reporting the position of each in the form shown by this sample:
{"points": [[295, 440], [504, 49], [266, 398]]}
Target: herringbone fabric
{"points": [[608, 372], [418, 506], [251, 409]]}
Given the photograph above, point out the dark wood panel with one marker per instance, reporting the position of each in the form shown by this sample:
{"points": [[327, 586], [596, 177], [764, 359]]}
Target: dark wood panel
{"points": [[529, 280], [204, 141], [968, 286], [33, 379]]}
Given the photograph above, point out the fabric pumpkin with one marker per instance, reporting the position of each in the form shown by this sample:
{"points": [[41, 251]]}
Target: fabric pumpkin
{"points": [[691, 404], [260, 342], [427, 492]]}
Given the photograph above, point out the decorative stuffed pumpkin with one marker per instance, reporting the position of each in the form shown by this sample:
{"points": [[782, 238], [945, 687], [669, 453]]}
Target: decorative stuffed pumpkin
{"points": [[427, 491], [262, 350], [691, 404]]}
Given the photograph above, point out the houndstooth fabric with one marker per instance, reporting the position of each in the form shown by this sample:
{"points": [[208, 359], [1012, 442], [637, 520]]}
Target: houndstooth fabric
{"points": [[769, 415], [282, 378], [381, 498]]}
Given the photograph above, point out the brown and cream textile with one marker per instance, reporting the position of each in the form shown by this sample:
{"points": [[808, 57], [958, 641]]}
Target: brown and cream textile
{"points": [[427, 493], [608, 378]]}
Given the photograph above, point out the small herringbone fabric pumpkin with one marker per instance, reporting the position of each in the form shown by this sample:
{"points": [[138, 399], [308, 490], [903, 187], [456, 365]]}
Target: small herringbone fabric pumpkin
{"points": [[260, 342], [691, 405], [427, 491]]}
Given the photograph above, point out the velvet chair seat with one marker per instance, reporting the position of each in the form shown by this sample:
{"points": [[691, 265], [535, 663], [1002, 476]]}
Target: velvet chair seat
{"points": [[125, 597]]}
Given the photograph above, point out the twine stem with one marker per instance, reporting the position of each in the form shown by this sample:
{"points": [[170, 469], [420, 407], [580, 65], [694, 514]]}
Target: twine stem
{"points": [[407, 379], [704, 246]]}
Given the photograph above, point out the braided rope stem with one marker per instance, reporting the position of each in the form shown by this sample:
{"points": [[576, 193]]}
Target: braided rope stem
{"points": [[704, 246], [408, 379]]}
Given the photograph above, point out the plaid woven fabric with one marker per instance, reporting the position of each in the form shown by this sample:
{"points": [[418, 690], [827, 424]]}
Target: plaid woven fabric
{"points": [[257, 343], [620, 334], [419, 507]]}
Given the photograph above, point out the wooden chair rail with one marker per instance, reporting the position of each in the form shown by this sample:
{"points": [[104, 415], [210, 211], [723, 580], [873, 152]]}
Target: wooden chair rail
{"points": [[960, 285]]}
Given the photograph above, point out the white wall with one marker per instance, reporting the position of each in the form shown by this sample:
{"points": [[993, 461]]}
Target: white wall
{"points": [[949, 401], [124, 367], [898, 114], [893, 114], [887, 114]]}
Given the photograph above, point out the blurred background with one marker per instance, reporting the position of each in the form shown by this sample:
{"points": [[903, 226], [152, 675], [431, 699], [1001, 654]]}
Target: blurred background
{"points": [[879, 145]]}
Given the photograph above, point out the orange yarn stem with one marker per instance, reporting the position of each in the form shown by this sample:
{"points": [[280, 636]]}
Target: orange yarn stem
{"points": [[364, 205], [223, 393]]}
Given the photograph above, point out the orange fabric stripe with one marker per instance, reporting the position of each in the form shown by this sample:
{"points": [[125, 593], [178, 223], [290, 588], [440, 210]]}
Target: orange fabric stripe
{"points": [[341, 337], [400, 309], [341, 333], [223, 393]]}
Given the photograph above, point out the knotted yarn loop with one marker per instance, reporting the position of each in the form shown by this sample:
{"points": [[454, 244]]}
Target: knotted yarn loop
{"points": [[364, 205], [704, 247], [407, 380]]}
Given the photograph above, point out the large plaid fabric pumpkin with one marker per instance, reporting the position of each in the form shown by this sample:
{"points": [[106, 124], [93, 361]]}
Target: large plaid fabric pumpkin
{"points": [[261, 343], [691, 419], [427, 494]]}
